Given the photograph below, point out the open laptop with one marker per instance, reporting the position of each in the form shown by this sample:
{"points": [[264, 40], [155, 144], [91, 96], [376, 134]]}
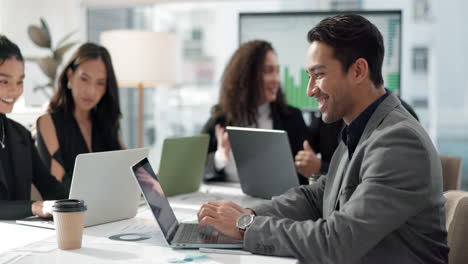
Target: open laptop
{"points": [[177, 235], [103, 181], [264, 161], [182, 164]]}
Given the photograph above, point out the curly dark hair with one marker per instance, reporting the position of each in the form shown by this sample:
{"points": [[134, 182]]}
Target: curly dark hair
{"points": [[242, 86], [107, 112], [352, 37]]}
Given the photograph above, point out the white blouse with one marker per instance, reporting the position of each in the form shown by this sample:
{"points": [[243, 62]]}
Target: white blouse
{"points": [[264, 121]]}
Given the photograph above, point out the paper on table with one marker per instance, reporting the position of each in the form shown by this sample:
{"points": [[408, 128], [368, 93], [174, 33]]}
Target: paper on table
{"points": [[194, 257], [12, 257], [150, 230], [39, 247], [136, 228], [182, 258]]}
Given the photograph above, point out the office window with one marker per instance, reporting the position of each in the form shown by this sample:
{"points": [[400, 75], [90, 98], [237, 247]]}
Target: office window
{"points": [[346, 4], [421, 10], [420, 59], [102, 19], [168, 111]]}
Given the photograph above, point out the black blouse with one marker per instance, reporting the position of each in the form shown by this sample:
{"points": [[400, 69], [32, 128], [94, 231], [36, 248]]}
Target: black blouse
{"points": [[20, 166], [71, 143], [5, 159]]}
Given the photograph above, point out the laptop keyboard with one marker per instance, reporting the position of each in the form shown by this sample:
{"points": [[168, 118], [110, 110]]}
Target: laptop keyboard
{"points": [[192, 233], [37, 221]]}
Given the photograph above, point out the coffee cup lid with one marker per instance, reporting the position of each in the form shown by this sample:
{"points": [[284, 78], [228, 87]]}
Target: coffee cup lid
{"points": [[69, 205]]}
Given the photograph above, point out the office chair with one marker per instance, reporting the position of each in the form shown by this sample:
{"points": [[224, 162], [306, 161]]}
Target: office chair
{"points": [[451, 172], [456, 212]]}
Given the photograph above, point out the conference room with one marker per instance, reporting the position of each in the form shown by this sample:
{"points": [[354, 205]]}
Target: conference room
{"points": [[299, 131]]}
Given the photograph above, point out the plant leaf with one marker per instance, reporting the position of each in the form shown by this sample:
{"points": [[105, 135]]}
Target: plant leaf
{"points": [[45, 29], [38, 36], [32, 59], [49, 66], [65, 38], [58, 53], [44, 89]]}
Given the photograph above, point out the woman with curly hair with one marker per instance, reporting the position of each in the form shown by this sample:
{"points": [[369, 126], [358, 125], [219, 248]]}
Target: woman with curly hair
{"points": [[250, 96]]}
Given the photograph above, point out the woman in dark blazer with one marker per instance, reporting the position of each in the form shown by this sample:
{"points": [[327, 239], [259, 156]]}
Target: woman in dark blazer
{"points": [[250, 96], [20, 164], [83, 115]]}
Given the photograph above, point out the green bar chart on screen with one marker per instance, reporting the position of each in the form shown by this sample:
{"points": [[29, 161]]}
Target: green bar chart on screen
{"points": [[296, 90], [393, 82]]}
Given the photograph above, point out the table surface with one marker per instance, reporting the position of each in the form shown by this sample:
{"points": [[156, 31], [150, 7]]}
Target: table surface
{"points": [[25, 244]]}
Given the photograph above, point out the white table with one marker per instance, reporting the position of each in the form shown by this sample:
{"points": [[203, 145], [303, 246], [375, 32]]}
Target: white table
{"points": [[23, 244]]}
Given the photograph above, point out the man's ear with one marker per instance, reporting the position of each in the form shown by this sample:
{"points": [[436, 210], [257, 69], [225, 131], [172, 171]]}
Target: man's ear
{"points": [[360, 70]]}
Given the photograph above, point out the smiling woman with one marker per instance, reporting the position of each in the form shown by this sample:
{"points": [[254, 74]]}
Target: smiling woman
{"points": [[20, 164], [11, 81], [83, 114]]}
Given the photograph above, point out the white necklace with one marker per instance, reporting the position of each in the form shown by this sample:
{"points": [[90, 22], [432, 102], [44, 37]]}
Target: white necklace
{"points": [[2, 143]]}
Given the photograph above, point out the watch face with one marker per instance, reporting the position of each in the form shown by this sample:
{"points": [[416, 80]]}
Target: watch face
{"points": [[244, 221]]}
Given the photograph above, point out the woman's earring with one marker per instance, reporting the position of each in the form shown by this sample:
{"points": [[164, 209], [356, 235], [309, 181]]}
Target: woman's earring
{"points": [[69, 85]]}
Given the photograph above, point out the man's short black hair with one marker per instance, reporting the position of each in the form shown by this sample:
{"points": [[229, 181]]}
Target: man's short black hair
{"points": [[9, 50], [352, 37]]}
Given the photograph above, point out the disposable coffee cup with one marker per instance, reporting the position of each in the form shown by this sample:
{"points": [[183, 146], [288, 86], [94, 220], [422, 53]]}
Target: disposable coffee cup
{"points": [[69, 217]]}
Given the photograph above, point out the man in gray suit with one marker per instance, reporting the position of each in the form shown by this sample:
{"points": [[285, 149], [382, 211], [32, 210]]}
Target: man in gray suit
{"points": [[382, 200]]}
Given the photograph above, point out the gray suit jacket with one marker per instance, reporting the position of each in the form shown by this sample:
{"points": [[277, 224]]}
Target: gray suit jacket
{"points": [[391, 207]]}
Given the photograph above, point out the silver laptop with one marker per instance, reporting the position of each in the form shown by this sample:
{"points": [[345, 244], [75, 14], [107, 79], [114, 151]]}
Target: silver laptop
{"points": [[103, 181], [264, 161], [177, 235]]}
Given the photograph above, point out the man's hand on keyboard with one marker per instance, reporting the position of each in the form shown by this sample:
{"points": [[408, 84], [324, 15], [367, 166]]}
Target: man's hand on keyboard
{"points": [[222, 216]]}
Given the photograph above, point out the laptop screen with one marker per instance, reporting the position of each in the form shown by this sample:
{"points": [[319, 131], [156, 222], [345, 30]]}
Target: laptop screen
{"points": [[155, 197]]}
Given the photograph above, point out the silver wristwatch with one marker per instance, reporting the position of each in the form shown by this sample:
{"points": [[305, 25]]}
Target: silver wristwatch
{"points": [[244, 221]]}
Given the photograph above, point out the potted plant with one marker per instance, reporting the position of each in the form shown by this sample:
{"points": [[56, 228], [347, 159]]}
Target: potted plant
{"points": [[41, 36]]}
